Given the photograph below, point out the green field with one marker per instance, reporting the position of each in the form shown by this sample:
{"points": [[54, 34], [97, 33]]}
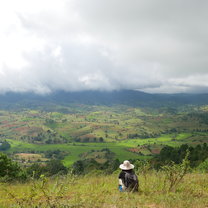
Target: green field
{"points": [[120, 148], [131, 133]]}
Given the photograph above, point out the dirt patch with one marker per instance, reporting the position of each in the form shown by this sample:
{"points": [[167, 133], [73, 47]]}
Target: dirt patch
{"points": [[155, 151], [134, 150], [28, 156]]}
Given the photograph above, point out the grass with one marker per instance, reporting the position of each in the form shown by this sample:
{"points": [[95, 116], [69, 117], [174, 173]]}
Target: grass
{"points": [[99, 191]]}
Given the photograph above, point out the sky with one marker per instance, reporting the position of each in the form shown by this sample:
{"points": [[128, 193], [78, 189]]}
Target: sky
{"points": [[75, 45]]}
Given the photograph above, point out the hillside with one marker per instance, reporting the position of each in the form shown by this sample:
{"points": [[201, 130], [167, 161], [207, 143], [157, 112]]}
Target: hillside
{"points": [[99, 191], [107, 98], [62, 123], [128, 132]]}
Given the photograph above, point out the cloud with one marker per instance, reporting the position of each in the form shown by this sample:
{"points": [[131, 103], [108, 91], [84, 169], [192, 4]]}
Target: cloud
{"points": [[154, 46]]}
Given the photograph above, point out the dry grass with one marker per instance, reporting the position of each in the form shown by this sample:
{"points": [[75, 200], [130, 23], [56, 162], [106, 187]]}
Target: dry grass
{"points": [[101, 192]]}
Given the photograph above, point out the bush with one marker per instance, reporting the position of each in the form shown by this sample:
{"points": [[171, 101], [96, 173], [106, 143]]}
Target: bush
{"points": [[203, 166], [10, 170], [4, 145], [175, 173], [53, 167]]}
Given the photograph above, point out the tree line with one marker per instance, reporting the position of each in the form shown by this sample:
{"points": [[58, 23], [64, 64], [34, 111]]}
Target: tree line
{"points": [[197, 155]]}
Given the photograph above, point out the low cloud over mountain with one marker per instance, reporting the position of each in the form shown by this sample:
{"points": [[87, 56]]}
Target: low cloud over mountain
{"points": [[153, 46]]}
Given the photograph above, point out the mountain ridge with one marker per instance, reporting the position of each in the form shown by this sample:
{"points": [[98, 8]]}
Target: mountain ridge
{"points": [[123, 97]]}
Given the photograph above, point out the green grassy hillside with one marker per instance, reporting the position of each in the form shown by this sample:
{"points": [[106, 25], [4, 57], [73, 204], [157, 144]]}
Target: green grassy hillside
{"points": [[99, 191]]}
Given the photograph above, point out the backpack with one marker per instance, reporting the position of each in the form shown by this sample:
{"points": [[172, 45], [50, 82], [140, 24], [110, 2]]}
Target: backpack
{"points": [[131, 181]]}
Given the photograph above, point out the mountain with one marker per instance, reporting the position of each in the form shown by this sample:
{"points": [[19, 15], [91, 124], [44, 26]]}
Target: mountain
{"points": [[123, 97]]}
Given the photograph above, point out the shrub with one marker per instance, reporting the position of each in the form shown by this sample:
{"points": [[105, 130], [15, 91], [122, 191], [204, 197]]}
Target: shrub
{"points": [[175, 172], [203, 166], [4, 145], [53, 167], [10, 170]]}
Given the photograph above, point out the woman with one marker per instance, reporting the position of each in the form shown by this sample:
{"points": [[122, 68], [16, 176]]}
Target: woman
{"points": [[128, 180]]}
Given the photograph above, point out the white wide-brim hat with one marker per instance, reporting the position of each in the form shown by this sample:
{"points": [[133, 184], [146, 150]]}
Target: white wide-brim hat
{"points": [[126, 165]]}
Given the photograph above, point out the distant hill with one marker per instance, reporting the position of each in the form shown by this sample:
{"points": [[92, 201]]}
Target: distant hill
{"points": [[123, 97]]}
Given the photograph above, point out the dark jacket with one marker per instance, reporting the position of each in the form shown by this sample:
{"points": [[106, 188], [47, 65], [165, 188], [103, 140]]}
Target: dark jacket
{"points": [[131, 186], [123, 173]]}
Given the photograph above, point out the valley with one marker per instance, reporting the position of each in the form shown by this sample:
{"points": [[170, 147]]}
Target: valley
{"points": [[72, 130]]}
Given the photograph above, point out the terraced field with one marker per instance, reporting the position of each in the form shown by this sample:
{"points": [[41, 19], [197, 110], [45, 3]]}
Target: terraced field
{"points": [[126, 131]]}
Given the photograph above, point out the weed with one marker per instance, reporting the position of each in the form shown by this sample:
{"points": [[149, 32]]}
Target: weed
{"points": [[175, 173]]}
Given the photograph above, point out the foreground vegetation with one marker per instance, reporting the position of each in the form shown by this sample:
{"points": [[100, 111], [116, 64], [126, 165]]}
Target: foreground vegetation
{"points": [[101, 191], [173, 185]]}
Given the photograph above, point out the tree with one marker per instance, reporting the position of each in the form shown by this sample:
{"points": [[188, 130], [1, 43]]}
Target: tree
{"points": [[55, 167], [4, 145], [111, 166], [36, 170], [101, 139], [10, 170], [78, 167], [203, 166]]}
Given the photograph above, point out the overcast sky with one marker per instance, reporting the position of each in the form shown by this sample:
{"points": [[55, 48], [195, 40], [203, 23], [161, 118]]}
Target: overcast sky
{"points": [[155, 46]]}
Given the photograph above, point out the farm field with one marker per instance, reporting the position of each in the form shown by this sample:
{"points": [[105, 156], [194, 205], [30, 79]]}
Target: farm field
{"points": [[130, 133]]}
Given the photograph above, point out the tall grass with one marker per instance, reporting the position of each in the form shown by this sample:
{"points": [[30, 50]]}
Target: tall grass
{"points": [[99, 191]]}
